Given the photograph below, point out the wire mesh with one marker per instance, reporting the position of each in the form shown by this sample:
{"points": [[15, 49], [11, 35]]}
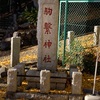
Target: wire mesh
{"points": [[82, 17]]}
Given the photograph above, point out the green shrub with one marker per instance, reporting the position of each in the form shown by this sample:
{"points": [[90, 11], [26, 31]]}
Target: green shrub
{"points": [[75, 55], [29, 16]]}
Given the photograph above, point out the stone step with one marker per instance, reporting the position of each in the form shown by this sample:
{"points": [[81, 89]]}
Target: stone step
{"points": [[39, 96], [59, 74], [53, 86], [57, 80], [52, 80]]}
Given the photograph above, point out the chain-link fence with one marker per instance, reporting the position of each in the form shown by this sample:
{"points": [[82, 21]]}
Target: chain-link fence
{"points": [[81, 18]]}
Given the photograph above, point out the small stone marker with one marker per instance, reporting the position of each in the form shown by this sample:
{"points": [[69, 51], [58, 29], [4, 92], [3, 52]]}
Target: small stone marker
{"points": [[44, 81], [15, 50], [76, 86], [76, 82], [47, 34], [12, 80], [97, 35]]}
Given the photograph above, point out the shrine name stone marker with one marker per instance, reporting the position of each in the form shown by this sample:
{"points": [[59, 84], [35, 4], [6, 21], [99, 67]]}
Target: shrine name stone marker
{"points": [[47, 34]]}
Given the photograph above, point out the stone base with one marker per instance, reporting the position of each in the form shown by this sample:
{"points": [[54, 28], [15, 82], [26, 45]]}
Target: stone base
{"points": [[57, 80], [53, 86], [37, 96], [75, 97]]}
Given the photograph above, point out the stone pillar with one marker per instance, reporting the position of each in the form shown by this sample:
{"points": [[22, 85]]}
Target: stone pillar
{"points": [[20, 71], [44, 81], [97, 35], [12, 80], [70, 39], [76, 86], [15, 51], [76, 83], [47, 34]]}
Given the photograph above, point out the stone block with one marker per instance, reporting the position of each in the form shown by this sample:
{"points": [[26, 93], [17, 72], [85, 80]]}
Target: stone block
{"points": [[15, 51], [52, 80], [33, 72], [39, 96], [58, 80], [20, 71], [33, 79], [60, 86], [59, 74], [32, 84], [75, 97], [76, 83], [21, 68], [36, 72], [57, 77], [53, 86], [12, 80], [38, 85], [44, 81]]}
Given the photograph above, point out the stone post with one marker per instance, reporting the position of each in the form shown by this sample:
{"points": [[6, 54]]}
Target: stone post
{"points": [[47, 34], [15, 51], [70, 39], [76, 83], [97, 35], [12, 80], [76, 86], [44, 81]]}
